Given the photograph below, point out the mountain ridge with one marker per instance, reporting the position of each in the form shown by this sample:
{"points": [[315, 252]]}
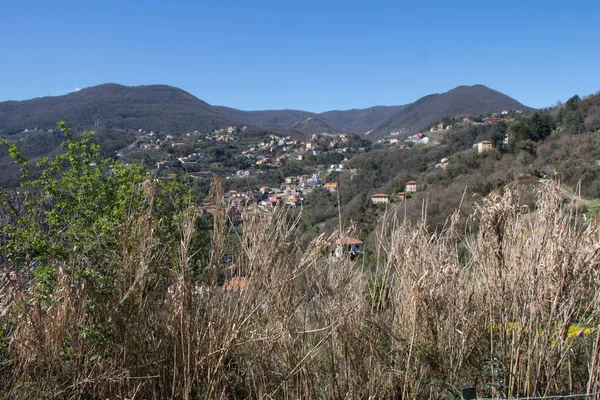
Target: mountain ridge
{"points": [[171, 109], [148, 107], [463, 100]]}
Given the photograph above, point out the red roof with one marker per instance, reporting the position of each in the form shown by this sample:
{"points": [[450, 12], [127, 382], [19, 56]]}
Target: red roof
{"points": [[379, 195], [486, 142], [411, 183], [348, 240]]}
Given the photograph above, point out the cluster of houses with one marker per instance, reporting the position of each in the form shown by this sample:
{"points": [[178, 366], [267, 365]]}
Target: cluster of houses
{"points": [[420, 138], [382, 198], [290, 193]]}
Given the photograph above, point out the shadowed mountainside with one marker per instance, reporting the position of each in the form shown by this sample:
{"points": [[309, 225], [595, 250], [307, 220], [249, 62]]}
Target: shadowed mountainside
{"points": [[153, 107], [462, 100]]}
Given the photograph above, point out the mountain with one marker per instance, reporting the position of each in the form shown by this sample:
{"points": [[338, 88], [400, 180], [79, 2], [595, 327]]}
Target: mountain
{"points": [[169, 109], [272, 118], [302, 121], [359, 120], [154, 107], [356, 121], [460, 101]]}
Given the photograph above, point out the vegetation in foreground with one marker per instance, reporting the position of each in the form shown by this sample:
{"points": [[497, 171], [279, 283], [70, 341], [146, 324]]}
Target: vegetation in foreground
{"points": [[110, 289]]}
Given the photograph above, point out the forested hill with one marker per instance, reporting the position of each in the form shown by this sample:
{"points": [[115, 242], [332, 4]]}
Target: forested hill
{"points": [[460, 101], [381, 120], [169, 109], [355, 120], [153, 107]]}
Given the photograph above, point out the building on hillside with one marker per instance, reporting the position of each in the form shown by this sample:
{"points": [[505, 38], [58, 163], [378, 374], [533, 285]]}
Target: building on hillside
{"points": [[443, 164], [401, 196], [331, 186], [348, 246], [411, 186], [483, 146], [293, 200], [380, 198]]}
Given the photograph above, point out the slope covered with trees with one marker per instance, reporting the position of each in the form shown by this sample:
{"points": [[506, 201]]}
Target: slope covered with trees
{"points": [[460, 101], [111, 106]]}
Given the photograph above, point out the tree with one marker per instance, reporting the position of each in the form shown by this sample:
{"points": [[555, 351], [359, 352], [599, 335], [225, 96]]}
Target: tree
{"points": [[573, 103]]}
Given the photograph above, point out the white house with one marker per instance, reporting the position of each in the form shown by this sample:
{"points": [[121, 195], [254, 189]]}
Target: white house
{"points": [[380, 198]]}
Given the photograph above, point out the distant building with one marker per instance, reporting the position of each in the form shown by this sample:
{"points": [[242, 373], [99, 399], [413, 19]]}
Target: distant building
{"points": [[483, 146], [348, 246], [411, 186], [401, 196], [380, 198], [331, 186]]}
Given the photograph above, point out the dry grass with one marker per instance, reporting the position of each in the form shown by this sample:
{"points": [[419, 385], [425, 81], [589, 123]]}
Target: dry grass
{"points": [[494, 301]]}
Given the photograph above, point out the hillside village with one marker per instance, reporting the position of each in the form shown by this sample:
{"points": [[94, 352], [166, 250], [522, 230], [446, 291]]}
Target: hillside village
{"points": [[341, 196]]}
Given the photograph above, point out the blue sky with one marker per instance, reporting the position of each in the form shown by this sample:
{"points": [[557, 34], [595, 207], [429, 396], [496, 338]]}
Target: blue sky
{"points": [[311, 55]]}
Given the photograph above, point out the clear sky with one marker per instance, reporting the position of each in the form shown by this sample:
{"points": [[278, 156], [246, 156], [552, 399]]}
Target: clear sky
{"points": [[311, 55]]}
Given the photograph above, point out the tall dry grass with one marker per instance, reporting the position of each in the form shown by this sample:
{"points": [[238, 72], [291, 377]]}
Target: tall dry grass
{"points": [[507, 300]]}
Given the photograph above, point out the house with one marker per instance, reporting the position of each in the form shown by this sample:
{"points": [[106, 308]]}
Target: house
{"points": [[276, 201], [441, 126], [401, 196], [483, 146], [411, 186], [380, 198], [293, 200], [331, 186], [443, 164], [348, 245]]}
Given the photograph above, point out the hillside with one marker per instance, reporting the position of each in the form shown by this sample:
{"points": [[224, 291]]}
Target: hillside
{"points": [[355, 121], [169, 109], [154, 107], [462, 100], [359, 120], [271, 118]]}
